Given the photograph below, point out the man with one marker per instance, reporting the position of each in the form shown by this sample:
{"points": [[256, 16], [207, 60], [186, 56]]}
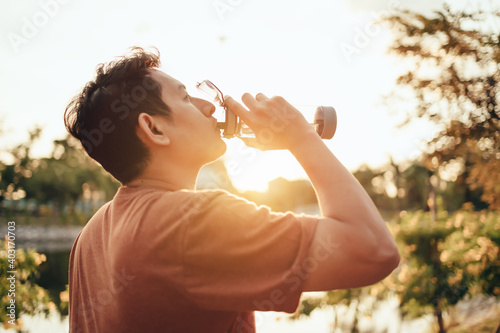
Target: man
{"points": [[163, 257]]}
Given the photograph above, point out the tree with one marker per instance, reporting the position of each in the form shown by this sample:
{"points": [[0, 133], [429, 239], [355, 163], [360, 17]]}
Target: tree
{"points": [[424, 277], [29, 297], [14, 177], [445, 260], [455, 82], [62, 177], [336, 299], [411, 183]]}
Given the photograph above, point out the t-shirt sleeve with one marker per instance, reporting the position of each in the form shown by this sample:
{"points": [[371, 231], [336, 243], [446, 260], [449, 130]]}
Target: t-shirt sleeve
{"points": [[237, 256]]}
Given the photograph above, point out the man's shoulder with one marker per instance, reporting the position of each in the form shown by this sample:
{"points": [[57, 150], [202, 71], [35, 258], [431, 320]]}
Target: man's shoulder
{"points": [[218, 197], [210, 194], [127, 193]]}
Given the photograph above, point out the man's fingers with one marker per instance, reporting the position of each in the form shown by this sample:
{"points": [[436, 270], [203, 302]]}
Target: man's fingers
{"points": [[235, 107], [250, 101], [260, 97], [253, 103]]}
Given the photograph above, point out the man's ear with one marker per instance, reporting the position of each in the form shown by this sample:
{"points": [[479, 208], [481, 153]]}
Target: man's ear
{"points": [[152, 129]]}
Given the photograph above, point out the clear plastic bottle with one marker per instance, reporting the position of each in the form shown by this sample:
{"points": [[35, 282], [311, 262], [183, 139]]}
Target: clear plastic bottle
{"points": [[324, 122]]}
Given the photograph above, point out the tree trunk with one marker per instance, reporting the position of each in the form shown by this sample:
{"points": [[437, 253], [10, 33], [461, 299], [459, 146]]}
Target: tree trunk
{"points": [[334, 325], [431, 201], [355, 324], [439, 316], [498, 329]]}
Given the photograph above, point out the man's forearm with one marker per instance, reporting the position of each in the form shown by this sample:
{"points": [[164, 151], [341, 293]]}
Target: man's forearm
{"points": [[340, 195]]}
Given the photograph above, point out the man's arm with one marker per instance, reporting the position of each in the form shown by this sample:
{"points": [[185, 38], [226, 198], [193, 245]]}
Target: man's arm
{"points": [[352, 244], [366, 251]]}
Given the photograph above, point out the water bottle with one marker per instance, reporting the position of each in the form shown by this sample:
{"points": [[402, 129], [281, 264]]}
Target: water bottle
{"points": [[324, 122]]}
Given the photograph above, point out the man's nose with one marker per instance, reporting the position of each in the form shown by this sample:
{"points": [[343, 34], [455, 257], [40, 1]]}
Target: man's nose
{"points": [[205, 107]]}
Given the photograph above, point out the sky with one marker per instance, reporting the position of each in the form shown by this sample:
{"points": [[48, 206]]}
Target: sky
{"points": [[316, 52]]}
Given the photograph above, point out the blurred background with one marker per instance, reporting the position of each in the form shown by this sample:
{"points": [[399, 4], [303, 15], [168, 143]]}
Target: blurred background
{"points": [[415, 86]]}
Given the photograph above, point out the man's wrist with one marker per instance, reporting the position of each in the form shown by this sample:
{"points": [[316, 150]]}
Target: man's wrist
{"points": [[305, 143]]}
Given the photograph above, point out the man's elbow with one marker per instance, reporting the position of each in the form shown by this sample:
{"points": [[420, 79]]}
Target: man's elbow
{"points": [[381, 263], [389, 259]]}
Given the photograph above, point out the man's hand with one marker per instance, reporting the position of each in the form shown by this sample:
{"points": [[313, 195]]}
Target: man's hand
{"points": [[275, 122]]}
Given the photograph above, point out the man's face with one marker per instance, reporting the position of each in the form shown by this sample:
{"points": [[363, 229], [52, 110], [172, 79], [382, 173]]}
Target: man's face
{"points": [[192, 131]]}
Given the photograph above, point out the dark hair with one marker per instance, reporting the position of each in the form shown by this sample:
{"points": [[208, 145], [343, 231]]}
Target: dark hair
{"points": [[104, 115]]}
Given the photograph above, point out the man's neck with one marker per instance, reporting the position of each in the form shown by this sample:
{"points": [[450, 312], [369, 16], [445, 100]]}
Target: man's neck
{"points": [[172, 178]]}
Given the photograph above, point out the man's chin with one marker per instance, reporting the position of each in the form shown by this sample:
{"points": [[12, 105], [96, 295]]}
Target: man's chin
{"points": [[223, 148], [218, 153], [217, 148]]}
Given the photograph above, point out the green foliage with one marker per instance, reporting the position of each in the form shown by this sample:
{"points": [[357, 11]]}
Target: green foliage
{"points": [[424, 277], [334, 297], [411, 183], [350, 298], [308, 305], [455, 83], [64, 301], [29, 297], [61, 177], [474, 247], [59, 180], [445, 260], [14, 177]]}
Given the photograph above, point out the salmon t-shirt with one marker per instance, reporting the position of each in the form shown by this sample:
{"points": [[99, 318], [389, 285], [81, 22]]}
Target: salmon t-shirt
{"points": [[153, 260]]}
